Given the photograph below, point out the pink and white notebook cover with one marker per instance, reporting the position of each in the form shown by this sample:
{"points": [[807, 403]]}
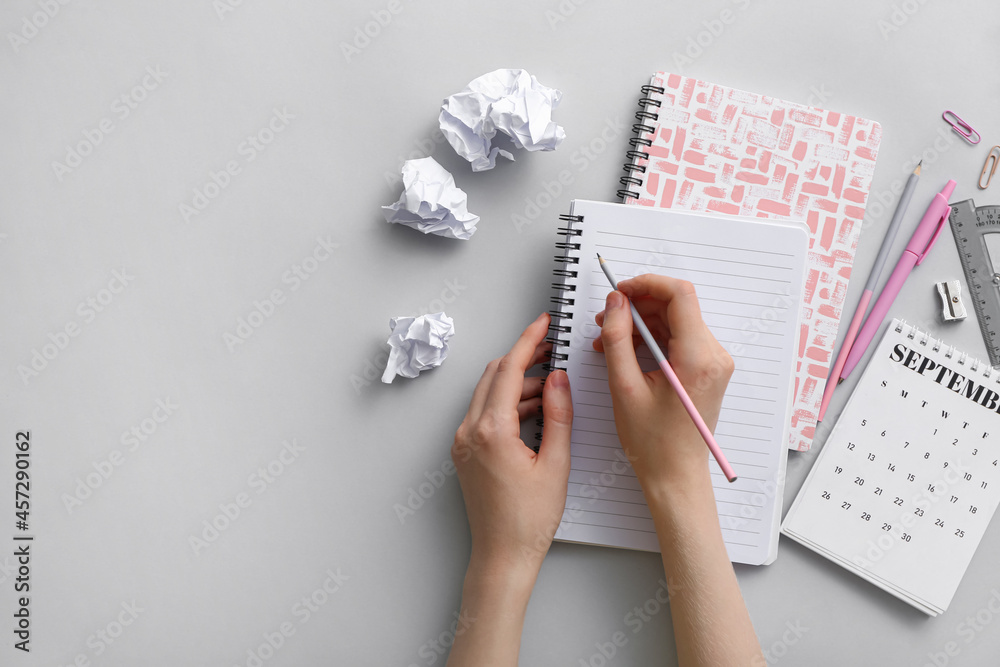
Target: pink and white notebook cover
{"points": [[725, 150]]}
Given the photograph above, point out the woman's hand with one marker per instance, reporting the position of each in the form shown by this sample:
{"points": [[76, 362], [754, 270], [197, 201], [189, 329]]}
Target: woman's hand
{"points": [[656, 432], [672, 464], [514, 497]]}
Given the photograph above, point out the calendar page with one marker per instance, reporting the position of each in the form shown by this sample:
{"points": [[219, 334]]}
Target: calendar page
{"points": [[907, 482]]}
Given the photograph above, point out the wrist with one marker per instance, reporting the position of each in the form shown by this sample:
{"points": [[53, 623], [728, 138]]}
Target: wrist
{"points": [[507, 579], [680, 474], [494, 603], [682, 485]]}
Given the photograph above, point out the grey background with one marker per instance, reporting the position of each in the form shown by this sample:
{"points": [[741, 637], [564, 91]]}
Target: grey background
{"points": [[301, 375]]}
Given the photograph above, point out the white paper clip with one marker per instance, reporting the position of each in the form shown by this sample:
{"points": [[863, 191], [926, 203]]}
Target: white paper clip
{"points": [[952, 308]]}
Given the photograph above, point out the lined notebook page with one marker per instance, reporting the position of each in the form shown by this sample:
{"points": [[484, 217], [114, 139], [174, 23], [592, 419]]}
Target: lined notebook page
{"points": [[748, 275]]}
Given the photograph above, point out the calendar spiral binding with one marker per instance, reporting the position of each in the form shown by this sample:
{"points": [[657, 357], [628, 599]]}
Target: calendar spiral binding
{"points": [[912, 331], [562, 299], [637, 157]]}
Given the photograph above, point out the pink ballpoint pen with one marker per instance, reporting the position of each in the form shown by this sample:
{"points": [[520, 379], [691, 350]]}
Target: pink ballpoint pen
{"points": [[866, 296], [916, 250], [674, 381]]}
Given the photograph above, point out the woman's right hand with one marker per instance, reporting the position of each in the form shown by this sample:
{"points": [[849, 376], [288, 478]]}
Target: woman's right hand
{"points": [[656, 432], [672, 462]]}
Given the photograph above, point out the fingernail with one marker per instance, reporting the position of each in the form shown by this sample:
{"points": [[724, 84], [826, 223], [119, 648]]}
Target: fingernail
{"points": [[614, 301], [558, 379], [540, 317]]}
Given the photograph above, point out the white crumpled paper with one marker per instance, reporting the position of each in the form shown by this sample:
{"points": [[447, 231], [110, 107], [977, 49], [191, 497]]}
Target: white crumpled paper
{"points": [[431, 203], [418, 344], [509, 100]]}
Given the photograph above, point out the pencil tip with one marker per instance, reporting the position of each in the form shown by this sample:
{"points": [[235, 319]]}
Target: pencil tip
{"points": [[599, 258], [840, 380], [917, 170]]}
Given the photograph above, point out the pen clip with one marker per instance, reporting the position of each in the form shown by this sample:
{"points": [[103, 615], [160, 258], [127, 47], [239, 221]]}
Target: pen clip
{"points": [[937, 233]]}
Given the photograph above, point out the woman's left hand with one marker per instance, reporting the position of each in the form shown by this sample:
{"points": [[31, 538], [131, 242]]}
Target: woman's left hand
{"points": [[515, 497]]}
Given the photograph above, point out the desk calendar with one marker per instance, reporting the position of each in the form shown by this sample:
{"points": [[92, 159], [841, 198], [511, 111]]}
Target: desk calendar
{"points": [[907, 482]]}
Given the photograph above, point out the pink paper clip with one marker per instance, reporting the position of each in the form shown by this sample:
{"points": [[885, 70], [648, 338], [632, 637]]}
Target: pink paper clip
{"points": [[965, 130]]}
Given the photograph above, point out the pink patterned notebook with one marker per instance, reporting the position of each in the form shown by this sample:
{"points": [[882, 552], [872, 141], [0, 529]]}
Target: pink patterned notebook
{"points": [[705, 147]]}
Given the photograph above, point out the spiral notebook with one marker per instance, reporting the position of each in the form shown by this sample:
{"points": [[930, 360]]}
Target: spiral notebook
{"points": [[700, 146], [907, 482], [749, 277]]}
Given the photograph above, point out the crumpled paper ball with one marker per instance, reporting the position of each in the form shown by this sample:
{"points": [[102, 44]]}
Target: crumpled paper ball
{"points": [[431, 203], [510, 101], [417, 344]]}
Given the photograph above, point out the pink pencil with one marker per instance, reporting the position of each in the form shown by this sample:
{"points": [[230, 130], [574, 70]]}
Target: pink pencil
{"points": [[674, 381]]}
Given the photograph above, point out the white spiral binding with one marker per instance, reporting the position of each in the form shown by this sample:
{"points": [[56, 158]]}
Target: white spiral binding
{"points": [[950, 351]]}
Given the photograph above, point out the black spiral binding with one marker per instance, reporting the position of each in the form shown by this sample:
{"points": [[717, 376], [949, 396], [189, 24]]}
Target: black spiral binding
{"points": [[562, 299], [637, 157]]}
